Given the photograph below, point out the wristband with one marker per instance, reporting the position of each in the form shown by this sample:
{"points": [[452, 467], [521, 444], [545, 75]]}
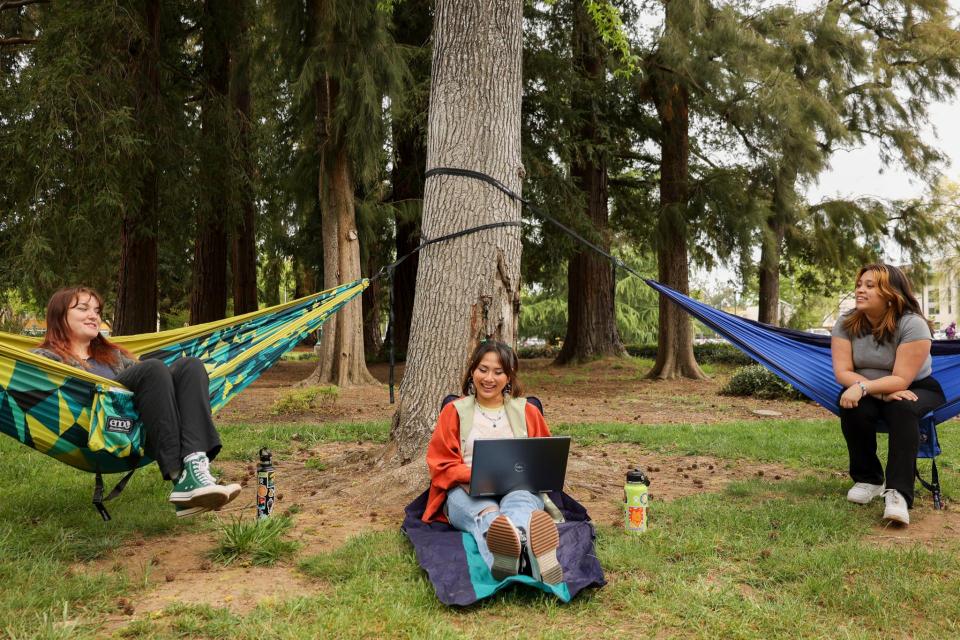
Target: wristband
{"points": [[863, 388]]}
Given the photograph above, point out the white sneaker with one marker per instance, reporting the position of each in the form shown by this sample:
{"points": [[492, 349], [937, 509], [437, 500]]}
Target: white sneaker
{"points": [[864, 492], [896, 507]]}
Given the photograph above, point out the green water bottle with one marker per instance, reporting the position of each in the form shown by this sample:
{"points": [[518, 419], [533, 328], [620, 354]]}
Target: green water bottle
{"points": [[636, 498]]}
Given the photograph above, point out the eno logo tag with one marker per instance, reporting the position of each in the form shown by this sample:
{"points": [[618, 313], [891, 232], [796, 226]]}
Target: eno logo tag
{"points": [[119, 425]]}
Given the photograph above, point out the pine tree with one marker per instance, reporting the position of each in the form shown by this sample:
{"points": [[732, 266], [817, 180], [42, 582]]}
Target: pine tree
{"points": [[244, 241], [591, 319], [79, 156], [347, 64], [849, 64], [412, 26], [469, 289], [209, 298]]}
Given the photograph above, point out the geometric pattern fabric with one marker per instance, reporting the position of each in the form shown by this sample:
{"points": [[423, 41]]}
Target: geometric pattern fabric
{"points": [[90, 422]]}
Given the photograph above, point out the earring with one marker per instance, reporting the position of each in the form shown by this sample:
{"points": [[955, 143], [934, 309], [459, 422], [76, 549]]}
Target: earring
{"points": [[471, 390], [507, 390]]}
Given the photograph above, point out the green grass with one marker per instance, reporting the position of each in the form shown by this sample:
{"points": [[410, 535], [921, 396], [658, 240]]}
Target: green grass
{"points": [[48, 528], [257, 542], [302, 400], [760, 560]]}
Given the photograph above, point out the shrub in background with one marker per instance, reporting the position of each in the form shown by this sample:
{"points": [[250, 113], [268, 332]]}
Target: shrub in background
{"points": [[303, 400], [756, 381]]}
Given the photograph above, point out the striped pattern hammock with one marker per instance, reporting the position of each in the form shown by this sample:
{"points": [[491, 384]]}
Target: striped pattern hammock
{"points": [[90, 422]]}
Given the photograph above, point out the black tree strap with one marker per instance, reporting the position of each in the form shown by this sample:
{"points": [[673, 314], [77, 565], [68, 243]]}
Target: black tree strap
{"points": [[98, 498], [476, 175], [482, 177]]}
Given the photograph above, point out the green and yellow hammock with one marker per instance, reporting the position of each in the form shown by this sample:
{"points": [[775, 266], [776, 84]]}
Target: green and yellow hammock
{"points": [[90, 422]]}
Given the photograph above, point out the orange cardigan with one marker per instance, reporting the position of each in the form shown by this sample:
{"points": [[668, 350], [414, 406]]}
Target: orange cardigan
{"points": [[445, 460]]}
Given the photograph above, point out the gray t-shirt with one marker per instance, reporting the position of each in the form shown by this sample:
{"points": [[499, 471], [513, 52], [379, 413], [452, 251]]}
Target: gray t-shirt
{"points": [[873, 360]]}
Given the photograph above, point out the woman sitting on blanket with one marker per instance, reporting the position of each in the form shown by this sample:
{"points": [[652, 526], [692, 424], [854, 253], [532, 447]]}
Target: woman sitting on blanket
{"points": [[173, 402], [881, 356], [491, 408]]}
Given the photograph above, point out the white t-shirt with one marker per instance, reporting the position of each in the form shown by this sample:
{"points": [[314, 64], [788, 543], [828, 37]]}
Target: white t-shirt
{"points": [[487, 424]]}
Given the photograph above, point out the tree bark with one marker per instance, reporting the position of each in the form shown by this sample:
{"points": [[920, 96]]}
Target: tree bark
{"points": [[591, 311], [209, 297], [372, 316], [342, 359], [784, 203], [675, 357], [413, 28], [468, 289], [137, 280], [244, 257]]}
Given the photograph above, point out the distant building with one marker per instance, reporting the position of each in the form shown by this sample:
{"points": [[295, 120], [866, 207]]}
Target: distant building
{"points": [[938, 298], [785, 311]]}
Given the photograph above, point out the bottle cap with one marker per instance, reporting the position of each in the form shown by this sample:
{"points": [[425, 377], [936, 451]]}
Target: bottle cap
{"points": [[265, 455], [637, 475]]}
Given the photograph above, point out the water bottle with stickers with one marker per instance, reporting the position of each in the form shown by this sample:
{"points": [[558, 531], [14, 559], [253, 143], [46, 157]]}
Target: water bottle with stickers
{"points": [[266, 489], [636, 499]]}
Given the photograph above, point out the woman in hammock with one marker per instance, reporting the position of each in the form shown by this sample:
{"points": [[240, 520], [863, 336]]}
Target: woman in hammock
{"points": [[173, 402], [881, 356], [504, 527]]}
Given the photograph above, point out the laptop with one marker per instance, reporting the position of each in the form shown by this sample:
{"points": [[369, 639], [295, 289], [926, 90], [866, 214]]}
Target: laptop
{"points": [[509, 464]]}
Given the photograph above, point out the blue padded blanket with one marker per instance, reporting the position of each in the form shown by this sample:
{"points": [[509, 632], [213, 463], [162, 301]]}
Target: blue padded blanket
{"points": [[461, 577]]}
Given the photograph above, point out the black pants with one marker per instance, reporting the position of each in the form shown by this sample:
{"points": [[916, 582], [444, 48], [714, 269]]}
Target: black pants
{"points": [[902, 418], [174, 405]]}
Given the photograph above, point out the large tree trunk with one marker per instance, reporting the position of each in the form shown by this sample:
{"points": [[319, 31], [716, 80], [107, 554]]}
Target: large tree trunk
{"points": [[325, 95], [784, 204], [413, 26], [137, 282], [591, 312], [468, 289], [675, 335], [244, 256], [209, 297], [342, 359]]}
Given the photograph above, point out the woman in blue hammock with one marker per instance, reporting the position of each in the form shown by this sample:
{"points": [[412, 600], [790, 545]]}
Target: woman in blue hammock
{"points": [[881, 356], [173, 402]]}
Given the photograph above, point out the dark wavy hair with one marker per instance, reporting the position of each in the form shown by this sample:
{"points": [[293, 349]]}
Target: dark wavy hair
{"points": [[894, 288], [508, 361], [57, 338]]}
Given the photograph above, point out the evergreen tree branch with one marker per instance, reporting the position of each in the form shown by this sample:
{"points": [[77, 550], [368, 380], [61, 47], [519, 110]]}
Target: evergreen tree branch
{"points": [[16, 4], [9, 42]]}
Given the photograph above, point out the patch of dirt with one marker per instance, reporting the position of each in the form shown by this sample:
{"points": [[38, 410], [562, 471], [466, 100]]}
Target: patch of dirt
{"points": [[343, 499], [609, 390], [928, 527], [352, 494]]}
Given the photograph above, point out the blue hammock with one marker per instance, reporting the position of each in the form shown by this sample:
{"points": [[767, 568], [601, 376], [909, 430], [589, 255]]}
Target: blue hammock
{"points": [[803, 359]]}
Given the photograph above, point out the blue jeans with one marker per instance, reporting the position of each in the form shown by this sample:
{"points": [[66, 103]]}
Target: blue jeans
{"points": [[463, 512]]}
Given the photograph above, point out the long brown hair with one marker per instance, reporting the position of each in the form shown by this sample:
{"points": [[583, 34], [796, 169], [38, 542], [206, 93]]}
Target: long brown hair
{"points": [[894, 288], [57, 338], [508, 361]]}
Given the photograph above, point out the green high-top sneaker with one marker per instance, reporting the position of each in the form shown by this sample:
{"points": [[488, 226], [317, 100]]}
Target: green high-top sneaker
{"points": [[196, 487]]}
